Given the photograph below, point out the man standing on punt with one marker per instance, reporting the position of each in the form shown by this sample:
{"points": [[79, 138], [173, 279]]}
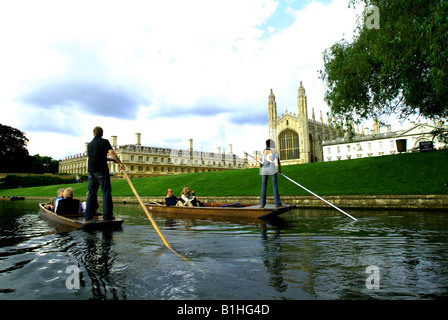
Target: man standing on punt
{"points": [[98, 169]]}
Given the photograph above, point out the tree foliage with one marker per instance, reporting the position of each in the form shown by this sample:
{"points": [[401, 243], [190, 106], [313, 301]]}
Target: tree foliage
{"points": [[14, 156], [400, 68], [43, 164], [13, 149]]}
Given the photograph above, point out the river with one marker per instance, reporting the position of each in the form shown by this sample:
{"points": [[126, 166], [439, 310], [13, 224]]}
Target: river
{"points": [[306, 254]]}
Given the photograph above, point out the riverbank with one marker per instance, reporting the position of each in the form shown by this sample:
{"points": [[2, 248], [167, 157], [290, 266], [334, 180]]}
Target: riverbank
{"points": [[377, 202]]}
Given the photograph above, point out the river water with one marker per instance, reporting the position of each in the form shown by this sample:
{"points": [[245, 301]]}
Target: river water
{"points": [[307, 254]]}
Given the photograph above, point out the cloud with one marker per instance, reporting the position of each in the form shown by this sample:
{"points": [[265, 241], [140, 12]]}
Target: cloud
{"points": [[51, 121], [91, 98]]}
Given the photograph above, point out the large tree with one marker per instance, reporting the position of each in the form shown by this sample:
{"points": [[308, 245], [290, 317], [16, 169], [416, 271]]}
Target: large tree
{"points": [[14, 156], [397, 64]]}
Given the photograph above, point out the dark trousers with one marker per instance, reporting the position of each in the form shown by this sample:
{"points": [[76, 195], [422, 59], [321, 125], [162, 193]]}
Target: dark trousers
{"points": [[264, 183], [97, 179]]}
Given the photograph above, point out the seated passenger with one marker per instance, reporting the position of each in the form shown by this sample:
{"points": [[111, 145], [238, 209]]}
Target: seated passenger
{"points": [[171, 199], [189, 198], [68, 205], [53, 202], [84, 204]]}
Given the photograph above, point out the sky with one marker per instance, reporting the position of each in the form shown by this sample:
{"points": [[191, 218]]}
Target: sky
{"points": [[170, 70]]}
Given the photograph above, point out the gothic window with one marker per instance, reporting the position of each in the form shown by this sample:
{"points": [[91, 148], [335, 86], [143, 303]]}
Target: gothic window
{"points": [[289, 145]]}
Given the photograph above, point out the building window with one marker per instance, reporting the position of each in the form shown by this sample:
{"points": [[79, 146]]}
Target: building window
{"points": [[289, 145]]}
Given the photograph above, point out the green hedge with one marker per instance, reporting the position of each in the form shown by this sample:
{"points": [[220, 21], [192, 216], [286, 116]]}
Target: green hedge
{"points": [[13, 181]]}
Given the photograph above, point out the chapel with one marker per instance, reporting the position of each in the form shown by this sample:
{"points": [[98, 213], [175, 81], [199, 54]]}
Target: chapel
{"points": [[298, 139]]}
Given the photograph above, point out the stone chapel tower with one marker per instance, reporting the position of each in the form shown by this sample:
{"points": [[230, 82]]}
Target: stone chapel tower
{"points": [[272, 118], [303, 128]]}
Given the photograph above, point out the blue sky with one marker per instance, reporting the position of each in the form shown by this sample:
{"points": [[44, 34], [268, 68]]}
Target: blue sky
{"points": [[284, 16], [170, 70]]}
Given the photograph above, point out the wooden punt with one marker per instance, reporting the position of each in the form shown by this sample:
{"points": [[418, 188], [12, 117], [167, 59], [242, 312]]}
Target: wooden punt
{"points": [[12, 198], [77, 220], [222, 210]]}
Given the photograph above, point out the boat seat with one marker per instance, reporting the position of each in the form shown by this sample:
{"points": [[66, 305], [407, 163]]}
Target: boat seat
{"points": [[68, 206]]}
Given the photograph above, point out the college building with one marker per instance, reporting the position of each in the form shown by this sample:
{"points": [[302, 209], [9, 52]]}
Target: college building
{"points": [[303, 140], [143, 161], [298, 139], [374, 143]]}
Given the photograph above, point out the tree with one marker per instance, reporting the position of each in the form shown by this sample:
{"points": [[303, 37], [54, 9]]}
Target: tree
{"points": [[400, 68], [14, 156], [44, 164]]}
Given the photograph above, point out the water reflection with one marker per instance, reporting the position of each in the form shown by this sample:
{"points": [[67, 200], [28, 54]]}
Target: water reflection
{"points": [[272, 254], [96, 257]]}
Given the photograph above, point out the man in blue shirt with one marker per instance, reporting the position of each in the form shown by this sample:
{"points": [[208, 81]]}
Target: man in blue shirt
{"points": [[97, 151]]}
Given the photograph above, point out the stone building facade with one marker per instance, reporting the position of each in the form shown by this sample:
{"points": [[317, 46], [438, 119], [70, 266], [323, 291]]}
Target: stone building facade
{"points": [[298, 139], [374, 143], [143, 161]]}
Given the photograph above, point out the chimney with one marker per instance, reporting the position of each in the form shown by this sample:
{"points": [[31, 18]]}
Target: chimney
{"points": [[229, 149], [85, 146], [376, 126], [138, 139], [113, 140], [218, 150], [190, 144]]}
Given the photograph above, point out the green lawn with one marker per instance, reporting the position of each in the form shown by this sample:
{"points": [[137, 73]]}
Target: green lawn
{"points": [[409, 173]]}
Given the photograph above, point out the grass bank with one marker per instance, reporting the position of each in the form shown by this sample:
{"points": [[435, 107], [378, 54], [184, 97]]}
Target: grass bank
{"points": [[401, 174]]}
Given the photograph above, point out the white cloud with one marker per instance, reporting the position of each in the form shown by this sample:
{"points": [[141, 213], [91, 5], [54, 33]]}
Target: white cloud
{"points": [[171, 70]]}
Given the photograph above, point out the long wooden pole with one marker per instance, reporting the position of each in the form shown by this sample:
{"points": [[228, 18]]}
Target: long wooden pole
{"points": [[148, 214], [319, 197]]}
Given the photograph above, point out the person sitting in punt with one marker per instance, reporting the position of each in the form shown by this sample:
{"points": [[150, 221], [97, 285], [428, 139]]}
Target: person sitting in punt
{"points": [[68, 205], [171, 200], [96, 205], [53, 202], [189, 198]]}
